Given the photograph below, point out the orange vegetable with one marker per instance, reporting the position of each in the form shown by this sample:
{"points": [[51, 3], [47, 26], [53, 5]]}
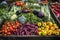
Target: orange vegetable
{"points": [[11, 28], [8, 33], [5, 31], [22, 4]]}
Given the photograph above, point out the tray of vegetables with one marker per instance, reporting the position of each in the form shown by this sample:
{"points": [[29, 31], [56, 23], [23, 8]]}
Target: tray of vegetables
{"points": [[27, 20], [55, 7]]}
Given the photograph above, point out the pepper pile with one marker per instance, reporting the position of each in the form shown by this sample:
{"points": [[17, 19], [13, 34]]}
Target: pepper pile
{"points": [[48, 28]]}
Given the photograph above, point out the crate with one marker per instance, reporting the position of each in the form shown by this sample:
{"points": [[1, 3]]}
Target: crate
{"points": [[53, 15]]}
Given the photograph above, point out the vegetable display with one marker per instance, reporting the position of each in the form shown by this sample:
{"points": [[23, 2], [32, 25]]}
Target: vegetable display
{"points": [[56, 10], [26, 19]]}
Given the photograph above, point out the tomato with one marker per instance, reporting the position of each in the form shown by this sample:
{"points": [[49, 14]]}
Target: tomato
{"points": [[14, 30], [7, 27], [8, 30], [3, 30], [11, 28], [14, 27], [22, 4], [8, 23], [3, 27], [17, 3], [8, 33], [44, 2]]}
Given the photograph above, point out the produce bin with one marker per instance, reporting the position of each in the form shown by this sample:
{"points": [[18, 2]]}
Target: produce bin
{"points": [[30, 21], [55, 11]]}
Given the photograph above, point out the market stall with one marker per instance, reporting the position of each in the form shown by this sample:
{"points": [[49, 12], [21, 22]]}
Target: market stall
{"points": [[29, 18]]}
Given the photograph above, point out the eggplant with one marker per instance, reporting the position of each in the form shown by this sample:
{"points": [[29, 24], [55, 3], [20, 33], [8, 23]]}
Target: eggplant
{"points": [[40, 15], [18, 12], [25, 11], [35, 12]]}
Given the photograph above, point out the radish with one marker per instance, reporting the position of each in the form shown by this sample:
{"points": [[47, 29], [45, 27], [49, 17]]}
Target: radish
{"points": [[58, 7], [58, 10], [57, 14]]}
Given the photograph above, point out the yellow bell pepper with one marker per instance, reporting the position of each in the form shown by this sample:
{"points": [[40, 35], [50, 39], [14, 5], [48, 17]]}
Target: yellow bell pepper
{"points": [[39, 23], [44, 24], [49, 23], [57, 33]]}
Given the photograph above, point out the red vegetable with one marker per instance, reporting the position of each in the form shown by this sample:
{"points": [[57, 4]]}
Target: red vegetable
{"points": [[17, 3], [58, 6], [22, 4], [56, 12], [8, 33]]}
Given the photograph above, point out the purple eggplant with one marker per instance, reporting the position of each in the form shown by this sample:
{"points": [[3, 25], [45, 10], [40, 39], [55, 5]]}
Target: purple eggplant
{"points": [[18, 12], [25, 11], [40, 15], [35, 12]]}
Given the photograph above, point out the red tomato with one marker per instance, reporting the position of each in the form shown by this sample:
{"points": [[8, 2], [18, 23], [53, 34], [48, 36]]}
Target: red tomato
{"points": [[7, 27], [8, 23], [3, 27], [17, 3], [22, 4], [8, 33], [3, 30], [14, 30], [8, 30], [14, 26], [11, 28]]}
